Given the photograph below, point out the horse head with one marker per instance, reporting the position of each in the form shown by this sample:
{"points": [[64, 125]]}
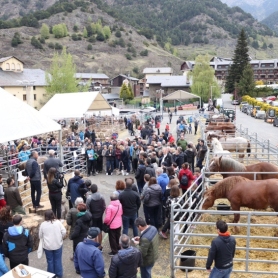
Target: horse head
{"points": [[215, 164], [209, 199]]}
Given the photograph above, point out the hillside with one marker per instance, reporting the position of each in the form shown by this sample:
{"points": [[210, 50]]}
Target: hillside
{"points": [[260, 9], [272, 21]]}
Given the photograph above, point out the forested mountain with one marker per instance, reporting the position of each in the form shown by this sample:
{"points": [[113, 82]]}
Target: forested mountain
{"points": [[272, 21], [260, 9]]}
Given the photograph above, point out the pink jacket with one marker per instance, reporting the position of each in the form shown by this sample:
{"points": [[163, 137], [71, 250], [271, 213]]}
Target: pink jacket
{"points": [[110, 212]]}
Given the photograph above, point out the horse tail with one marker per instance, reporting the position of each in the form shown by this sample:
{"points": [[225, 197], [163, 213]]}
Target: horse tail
{"points": [[249, 148]]}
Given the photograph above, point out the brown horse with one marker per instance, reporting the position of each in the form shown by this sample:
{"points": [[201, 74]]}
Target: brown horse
{"points": [[261, 194], [225, 164]]}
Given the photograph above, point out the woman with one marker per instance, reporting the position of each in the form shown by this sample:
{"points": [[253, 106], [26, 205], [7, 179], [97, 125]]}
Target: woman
{"points": [[173, 182], [190, 178], [55, 191], [52, 233], [152, 201], [118, 153], [171, 173], [2, 198], [82, 224], [110, 157], [125, 161], [72, 216], [139, 176], [6, 221], [120, 186], [173, 198], [113, 218]]}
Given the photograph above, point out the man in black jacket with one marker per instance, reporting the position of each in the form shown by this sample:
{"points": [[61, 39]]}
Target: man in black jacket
{"points": [[131, 202], [51, 162], [149, 168], [125, 263], [222, 252]]}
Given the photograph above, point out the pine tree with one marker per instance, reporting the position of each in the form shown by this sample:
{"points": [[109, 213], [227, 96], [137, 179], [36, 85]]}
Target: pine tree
{"points": [[44, 31], [131, 94], [125, 93], [85, 33], [240, 60], [246, 83]]}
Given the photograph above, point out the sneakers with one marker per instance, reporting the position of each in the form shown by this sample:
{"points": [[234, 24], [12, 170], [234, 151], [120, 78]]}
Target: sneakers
{"points": [[123, 173], [163, 235], [106, 174], [96, 173], [111, 254], [126, 174]]}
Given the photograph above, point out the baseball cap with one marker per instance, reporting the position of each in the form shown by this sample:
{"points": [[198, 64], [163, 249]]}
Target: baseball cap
{"points": [[93, 232]]}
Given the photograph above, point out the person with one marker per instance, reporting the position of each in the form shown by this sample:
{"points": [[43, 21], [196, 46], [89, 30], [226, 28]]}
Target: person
{"points": [[52, 232], [162, 179], [3, 268], [175, 110], [152, 202], [139, 176], [17, 243], [185, 177], [110, 157], [24, 154], [13, 198], [178, 157], [52, 161], [88, 260], [96, 205], [170, 117], [125, 263], [167, 157], [55, 191], [33, 172], [195, 126], [189, 154], [148, 245], [222, 252], [2, 194], [91, 160], [201, 154], [82, 225], [131, 202], [120, 186], [182, 143], [73, 187], [149, 168], [113, 218], [6, 221], [72, 217], [157, 126]]}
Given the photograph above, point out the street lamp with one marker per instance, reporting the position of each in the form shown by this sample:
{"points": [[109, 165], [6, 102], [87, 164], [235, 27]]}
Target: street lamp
{"points": [[211, 91], [161, 101]]}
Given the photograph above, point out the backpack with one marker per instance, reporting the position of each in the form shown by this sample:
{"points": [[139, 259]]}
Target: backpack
{"points": [[184, 180]]}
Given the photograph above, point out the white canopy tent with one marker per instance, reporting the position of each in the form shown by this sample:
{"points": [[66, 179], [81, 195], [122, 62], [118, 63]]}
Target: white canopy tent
{"points": [[75, 105], [19, 120], [180, 94]]}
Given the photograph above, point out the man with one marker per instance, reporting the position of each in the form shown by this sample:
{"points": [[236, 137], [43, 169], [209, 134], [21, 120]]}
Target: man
{"points": [[131, 202], [201, 154], [125, 263], [33, 171], [51, 162], [167, 157], [178, 157], [148, 246], [182, 143], [24, 154], [91, 160], [17, 243], [13, 198], [170, 117], [162, 179], [195, 126], [74, 185], [222, 252], [149, 168], [96, 205], [88, 260]]}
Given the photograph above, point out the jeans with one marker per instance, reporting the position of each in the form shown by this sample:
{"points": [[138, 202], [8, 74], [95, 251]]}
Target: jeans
{"points": [[155, 215], [126, 221], [36, 187], [146, 271], [56, 203], [140, 186], [200, 163], [220, 273], [109, 166], [91, 166], [54, 261]]}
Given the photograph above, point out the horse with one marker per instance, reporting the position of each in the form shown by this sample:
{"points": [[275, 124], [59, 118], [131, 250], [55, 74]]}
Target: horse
{"points": [[233, 144], [261, 194], [224, 164], [217, 148]]}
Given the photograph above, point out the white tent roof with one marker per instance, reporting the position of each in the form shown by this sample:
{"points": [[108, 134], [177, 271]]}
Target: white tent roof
{"points": [[74, 105], [180, 95], [19, 120]]}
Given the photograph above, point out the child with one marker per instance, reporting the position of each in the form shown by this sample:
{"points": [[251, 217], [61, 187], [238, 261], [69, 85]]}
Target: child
{"points": [[104, 157], [190, 129]]}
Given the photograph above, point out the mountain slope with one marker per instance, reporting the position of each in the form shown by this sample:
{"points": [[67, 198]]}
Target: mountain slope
{"points": [[260, 9], [272, 21]]}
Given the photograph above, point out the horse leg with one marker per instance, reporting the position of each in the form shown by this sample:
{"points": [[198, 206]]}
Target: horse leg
{"points": [[236, 220], [241, 156]]}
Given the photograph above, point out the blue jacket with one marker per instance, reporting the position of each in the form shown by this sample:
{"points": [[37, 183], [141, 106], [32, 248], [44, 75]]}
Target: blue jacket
{"points": [[24, 155], [90, 152], [3, 267], [163, 181], [73, 188], [88, 259], [81, 135]]}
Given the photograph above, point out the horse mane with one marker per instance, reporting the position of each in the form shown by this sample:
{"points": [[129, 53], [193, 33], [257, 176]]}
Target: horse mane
{"points": [[221, 188], [228, 163]]}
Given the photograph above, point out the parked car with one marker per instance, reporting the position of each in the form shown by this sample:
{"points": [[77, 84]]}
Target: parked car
{"points": [[235, 102], [260, 114], [275, 121], [254, 111], [244, 108], [242, 103], [249, 109], [148, 109]]}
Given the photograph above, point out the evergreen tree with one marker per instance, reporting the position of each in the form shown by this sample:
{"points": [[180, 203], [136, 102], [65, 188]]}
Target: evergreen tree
{"points": [[246, 83], [85, 33], [131, 93], [44, 31], [125, 93], [107, 32], [240, 60]]}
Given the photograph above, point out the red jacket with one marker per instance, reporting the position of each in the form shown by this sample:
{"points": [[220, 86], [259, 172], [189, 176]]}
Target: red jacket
{"points": [[189, 175], [171, 139]]}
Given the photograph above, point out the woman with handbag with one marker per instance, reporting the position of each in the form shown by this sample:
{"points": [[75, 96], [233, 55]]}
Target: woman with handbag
{"points": [[113, 223]]}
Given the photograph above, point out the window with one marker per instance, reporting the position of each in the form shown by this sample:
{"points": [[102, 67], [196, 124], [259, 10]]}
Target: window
{"points": [[34, 88], [263, 65], [18, 67], [13, 66], [24, 97], [219, 67], [271, 65], [7, 66], [255, 66], [35, 97]]}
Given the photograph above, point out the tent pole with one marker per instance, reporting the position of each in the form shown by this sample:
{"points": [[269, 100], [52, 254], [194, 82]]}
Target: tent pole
{"points": [[61, 146]]}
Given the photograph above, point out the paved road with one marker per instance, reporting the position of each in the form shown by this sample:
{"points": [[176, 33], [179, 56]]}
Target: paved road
{"points": [[264, 130]]}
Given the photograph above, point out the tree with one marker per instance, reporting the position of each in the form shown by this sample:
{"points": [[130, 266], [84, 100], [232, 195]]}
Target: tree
{"points": [[85, 33], [118, 34], [60, 30], [36, 43], [61, 76], [107, 32], [270, 45], [89, 47], [240, 60], [16, 40], [255, 44], [131, 91], [264, 46], [100, 36], [246, 83], [203, 80], [75, 28], [44, 31], [125, 92]]}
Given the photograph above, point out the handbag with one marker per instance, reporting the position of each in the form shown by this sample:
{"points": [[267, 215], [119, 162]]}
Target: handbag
{"points": [[106, 227], [40, 249]]}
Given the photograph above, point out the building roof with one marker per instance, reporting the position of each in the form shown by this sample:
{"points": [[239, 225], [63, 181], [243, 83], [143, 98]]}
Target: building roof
{"points": [[13, 78], [3, 59], [126, 77], [91, 75], [109, 97], [20, 120], [158, 70], [169, 81]]}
